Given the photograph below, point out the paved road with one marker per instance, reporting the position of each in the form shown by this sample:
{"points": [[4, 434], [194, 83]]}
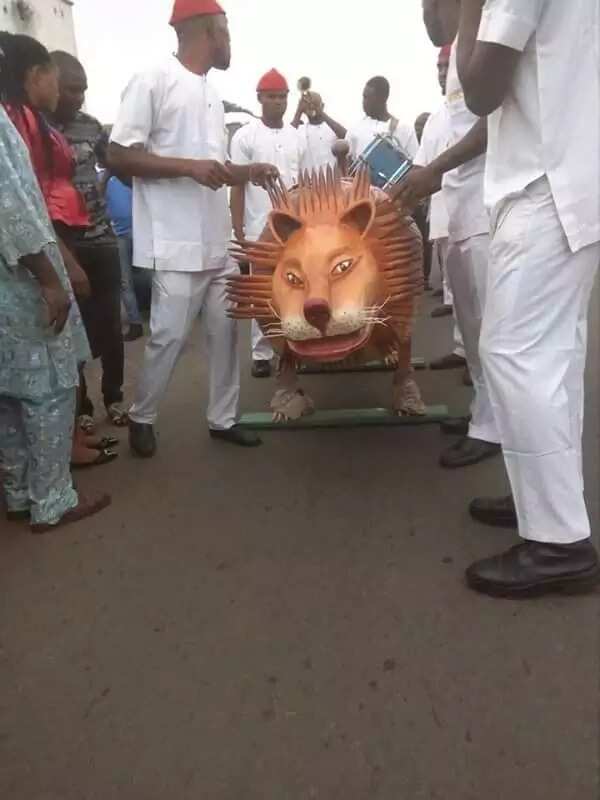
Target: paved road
{"points": [[291, 624]]}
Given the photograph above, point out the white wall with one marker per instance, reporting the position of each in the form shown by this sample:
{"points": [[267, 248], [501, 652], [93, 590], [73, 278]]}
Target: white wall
{"points": [[49, 21]]}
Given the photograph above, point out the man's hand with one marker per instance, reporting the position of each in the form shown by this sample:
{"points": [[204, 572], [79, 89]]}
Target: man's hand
{"points": [[263, 174], [79, 281], [209, 173], [302, 107], [421, 182], [58, 302]]}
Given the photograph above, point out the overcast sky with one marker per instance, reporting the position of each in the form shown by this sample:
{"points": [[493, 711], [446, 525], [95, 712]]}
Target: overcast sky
{"points": [[324, 39]]}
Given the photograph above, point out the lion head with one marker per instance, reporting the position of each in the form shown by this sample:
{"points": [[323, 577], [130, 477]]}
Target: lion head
{"points": [[337, 261]]}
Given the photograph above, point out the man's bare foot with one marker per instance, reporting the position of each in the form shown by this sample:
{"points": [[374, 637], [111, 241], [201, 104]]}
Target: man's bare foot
{"points": [[89, 450], [97, 442], [87, 507]]}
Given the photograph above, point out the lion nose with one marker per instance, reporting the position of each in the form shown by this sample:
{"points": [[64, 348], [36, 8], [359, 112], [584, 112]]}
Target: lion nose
{"points": [[317, 313]]}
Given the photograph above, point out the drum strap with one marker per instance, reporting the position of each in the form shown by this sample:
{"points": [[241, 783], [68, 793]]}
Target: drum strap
{"points": [[393, 126]]}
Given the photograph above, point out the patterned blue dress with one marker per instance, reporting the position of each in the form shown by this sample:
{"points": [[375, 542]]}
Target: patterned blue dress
{"points": [[38, 368]]}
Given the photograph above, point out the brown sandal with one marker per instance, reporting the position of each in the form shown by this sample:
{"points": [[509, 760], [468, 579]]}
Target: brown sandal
{"points": [[84, 509]]}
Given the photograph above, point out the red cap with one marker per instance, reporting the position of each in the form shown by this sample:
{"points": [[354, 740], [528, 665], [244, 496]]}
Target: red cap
{"points": [[273, 81], [186, 9], [444, 56]]}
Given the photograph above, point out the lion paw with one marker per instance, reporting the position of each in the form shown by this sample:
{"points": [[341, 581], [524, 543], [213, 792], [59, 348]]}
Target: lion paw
{"points": [[288, 405], [392, 359], [407, 399]]}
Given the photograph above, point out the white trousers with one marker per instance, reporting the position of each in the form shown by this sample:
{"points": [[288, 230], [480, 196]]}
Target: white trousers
{"points": [[177, 300], [440, 257], [261, 348], [467, 266], [533, 348]]}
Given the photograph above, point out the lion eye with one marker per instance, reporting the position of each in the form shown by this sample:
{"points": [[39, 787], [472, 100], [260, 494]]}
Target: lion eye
{"points": [[343, 267], [293, 279]]}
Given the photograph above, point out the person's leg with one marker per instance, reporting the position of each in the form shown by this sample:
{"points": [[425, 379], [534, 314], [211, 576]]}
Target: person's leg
{"points": [[222, 345], [456, 358], [48, 427], [174, 309], [533, 353], [575, 380], [468, 272], [222, 338], [443, 246], [459, 345], [85, 407], [113, 351], [102, 316], [533, 348], [261, 348], [13, 457], [128, 295]]}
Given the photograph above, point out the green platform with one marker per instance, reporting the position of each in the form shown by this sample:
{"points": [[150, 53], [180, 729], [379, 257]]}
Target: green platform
{"points": [[341, 368], [344, 418]]}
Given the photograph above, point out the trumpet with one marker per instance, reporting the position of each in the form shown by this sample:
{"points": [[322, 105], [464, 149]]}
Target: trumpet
{"points": [[312, 100]]}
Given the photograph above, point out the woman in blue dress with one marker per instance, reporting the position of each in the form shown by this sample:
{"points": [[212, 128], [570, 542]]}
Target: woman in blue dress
{"points": [[42, 340]]}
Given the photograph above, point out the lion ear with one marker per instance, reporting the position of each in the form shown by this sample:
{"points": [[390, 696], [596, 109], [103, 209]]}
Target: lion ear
{"points": [[283, 225], [360, 216]]}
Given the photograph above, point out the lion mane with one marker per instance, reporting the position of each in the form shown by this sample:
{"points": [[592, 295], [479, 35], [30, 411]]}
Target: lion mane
{"points": [[325, 197]]}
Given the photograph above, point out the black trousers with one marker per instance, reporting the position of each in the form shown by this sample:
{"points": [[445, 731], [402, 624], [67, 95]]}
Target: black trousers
{"points": [[101, 315]]}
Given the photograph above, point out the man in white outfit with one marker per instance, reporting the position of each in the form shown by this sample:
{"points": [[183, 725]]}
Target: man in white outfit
{"points": [[271, 140], [530, 67], [319, 133], [435, 141], [378, 120], [170, 137], [460, 172]]}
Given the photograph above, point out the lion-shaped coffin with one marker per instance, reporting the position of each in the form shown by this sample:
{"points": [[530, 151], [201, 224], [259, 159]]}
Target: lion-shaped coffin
{"points": [[336, 276]]}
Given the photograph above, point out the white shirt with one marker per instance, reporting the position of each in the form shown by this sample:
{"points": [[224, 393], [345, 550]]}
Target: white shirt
{"points": [[177, 224], [362, 134], [435, 139], [282, 147], [549, 123], [318, 141], [463, 187]]}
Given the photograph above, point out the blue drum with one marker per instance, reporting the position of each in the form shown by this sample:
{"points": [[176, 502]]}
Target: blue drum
{"points": [[387, 163]]}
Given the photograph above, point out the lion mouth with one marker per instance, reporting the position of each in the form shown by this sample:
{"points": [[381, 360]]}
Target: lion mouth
{"points": [[330, 348]]}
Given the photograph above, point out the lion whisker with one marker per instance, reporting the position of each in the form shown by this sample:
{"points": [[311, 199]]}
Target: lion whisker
{"points": [[275, 314]]}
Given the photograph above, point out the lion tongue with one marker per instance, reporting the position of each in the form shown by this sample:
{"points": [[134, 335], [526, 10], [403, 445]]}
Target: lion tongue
{"points": [[329, 348]]}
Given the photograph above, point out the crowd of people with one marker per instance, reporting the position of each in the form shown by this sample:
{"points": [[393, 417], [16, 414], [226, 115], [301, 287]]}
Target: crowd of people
{"points": [[506, 196]]}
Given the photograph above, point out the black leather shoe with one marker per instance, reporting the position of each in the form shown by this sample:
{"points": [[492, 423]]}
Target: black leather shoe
{"points": [[17, 516], [261, 369], [468, 451], [534, 568], [499, 512], [441, 311], [237, 435], [455, 426], [451, 361], [142, 439]]}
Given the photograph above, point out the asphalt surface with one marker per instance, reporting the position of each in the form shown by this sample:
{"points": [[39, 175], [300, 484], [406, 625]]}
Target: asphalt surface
{"points": [[291, 623]]}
